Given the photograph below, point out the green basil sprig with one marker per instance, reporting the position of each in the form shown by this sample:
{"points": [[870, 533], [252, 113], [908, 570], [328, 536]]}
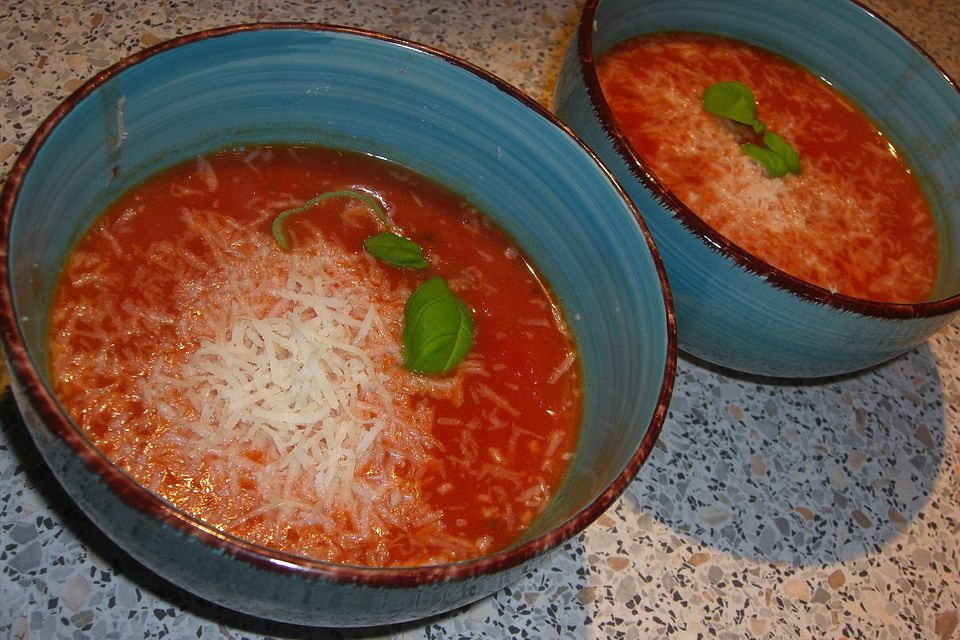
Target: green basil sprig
{"points": [[735, 101], [774, 164], [280, 235], [783, 149], [438, 327], [396, 251]]}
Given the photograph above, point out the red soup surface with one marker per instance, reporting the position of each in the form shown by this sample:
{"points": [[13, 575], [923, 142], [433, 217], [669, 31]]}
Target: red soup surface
{"points": [[262, 390], [854, 221]]}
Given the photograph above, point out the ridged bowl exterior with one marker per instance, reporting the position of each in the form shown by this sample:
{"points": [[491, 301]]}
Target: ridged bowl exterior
{"points": [[366, 92], [733, 309]]}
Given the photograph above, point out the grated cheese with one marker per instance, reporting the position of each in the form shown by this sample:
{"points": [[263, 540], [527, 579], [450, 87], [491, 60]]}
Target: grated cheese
{"points": [[840, 224]]}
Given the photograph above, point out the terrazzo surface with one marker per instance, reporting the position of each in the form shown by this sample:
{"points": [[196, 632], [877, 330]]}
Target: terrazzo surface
{"points": [[767, 509]]}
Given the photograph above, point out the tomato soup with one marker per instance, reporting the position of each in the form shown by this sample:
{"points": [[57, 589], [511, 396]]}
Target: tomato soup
{"points": [[853, 221], [262, 390]]}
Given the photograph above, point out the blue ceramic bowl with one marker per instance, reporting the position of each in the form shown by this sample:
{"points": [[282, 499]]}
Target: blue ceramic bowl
{"points": [[732, 308], [448, 120]]}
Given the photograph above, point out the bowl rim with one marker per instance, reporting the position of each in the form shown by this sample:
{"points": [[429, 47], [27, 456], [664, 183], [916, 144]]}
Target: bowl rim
{"points": [[710, 236], [42, 400]]}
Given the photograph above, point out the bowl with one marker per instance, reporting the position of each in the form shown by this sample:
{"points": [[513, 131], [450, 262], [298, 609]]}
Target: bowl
{"points": [[732, 308], [378, 95]]}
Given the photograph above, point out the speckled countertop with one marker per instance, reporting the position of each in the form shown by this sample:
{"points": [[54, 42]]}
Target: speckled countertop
{"points": [[767, 510]]}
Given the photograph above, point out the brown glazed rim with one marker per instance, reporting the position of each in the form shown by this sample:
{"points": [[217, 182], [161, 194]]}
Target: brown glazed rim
{"points": [[713, 238], [139, 498]]}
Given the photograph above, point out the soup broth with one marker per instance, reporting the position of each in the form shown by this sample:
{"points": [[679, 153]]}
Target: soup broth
{"points": [[855, 219], [262, 391]]}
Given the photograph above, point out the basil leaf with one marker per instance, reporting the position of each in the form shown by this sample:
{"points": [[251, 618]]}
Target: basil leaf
{"points": [[437, 329], [774, 164], [783, 149], [280, 235], [735, 101], [395, 250], [732, 100]]}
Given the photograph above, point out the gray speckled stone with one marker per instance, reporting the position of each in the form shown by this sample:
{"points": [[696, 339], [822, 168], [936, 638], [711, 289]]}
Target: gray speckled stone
{"points": [[767, 510]]}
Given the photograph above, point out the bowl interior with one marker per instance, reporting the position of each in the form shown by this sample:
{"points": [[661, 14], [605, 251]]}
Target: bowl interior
{"points": [[860, 54], [372, 94]]}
